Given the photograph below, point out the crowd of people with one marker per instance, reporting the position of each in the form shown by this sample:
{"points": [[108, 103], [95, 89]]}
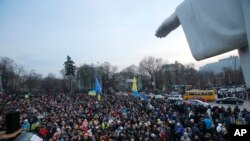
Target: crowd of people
{"points": [[113, 117]]}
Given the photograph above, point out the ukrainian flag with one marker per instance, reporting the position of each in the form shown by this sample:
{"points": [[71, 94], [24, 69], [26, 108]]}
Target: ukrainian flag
{"points": [[92, 93]]}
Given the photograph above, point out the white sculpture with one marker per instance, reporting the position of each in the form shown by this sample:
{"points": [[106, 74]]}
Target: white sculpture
{"points": [[213, 27]]}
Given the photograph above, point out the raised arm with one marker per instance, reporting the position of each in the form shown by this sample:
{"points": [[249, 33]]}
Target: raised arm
{"points": [[171, 23]]}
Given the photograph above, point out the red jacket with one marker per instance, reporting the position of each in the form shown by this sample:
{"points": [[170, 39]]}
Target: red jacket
{"points": [[43, 132]]}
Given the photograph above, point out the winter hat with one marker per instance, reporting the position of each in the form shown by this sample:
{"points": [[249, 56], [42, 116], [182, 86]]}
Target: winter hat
{"points": [[185, 134], [192, 120], [218, 128]]}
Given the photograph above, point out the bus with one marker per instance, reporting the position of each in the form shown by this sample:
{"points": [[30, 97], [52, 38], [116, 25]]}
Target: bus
{"points": [[180, 88], [208, 95]]}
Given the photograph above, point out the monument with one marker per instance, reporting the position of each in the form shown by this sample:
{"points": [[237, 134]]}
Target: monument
{"points": [[213, 27]]}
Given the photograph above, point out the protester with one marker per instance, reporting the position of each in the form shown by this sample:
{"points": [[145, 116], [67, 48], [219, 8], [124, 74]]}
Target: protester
{"points": [[26, 125], [185, 137]]}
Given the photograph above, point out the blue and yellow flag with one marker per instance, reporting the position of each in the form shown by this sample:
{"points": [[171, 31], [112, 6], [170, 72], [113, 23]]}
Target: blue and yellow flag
{"points": [[92, 93], [134, 88]]}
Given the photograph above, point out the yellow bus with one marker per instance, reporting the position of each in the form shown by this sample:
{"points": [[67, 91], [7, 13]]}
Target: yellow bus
{"points": [[208, 95]]}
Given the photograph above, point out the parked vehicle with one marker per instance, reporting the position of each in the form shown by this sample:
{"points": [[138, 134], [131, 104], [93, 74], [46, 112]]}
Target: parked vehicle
{"points": [[222, 93], [175, 98], [199, 98], [158, 96], [174, 93], [195, 102], [230, 100]]}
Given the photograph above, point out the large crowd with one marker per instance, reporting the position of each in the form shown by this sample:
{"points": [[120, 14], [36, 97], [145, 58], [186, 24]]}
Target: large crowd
{"points": [[113, 117]]}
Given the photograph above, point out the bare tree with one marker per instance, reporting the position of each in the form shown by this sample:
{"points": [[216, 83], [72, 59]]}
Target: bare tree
{"points": [[108, 80], [7, 73], [190, 75], [51, 84], [130, 71], [85, 75], [151, 66], [33, 82], [17, 79], [126, 74], [12, 75]]}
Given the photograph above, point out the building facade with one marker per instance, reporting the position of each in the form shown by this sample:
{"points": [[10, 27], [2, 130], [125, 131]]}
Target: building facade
{"points": [[232, 62]]}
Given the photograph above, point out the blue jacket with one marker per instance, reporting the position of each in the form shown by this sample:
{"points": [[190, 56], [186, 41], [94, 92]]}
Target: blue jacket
{"points": [[26, 126], [208, 123]]}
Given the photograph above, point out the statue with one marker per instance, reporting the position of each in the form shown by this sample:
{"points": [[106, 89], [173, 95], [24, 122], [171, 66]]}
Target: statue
{"points": [[213, 27]]}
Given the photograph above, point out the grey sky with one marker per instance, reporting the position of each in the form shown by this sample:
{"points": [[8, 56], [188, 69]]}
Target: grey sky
{"points": [[39, 34]]}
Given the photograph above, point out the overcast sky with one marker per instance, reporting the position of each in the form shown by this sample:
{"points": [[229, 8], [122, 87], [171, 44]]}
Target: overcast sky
{"points": [[39, 34]]}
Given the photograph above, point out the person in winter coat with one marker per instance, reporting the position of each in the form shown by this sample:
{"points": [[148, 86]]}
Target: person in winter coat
{"points": [[185, 137], [25, 125]]}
